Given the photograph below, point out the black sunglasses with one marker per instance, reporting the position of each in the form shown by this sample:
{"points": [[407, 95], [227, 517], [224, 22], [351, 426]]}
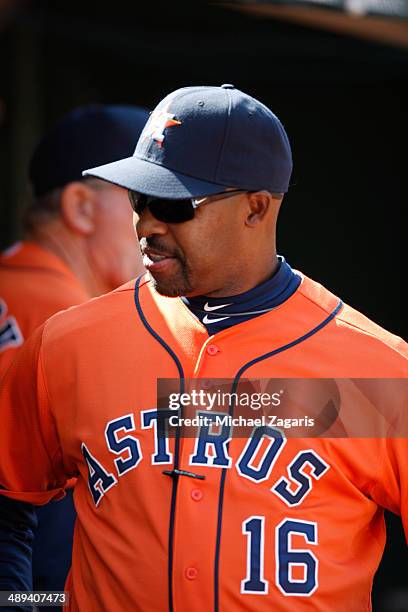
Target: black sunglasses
{"points": [[175, 211]]}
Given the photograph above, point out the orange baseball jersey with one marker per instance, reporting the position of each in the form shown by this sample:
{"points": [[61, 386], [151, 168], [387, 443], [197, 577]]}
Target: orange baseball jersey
{"points": [[183, 524], [34, 284]]}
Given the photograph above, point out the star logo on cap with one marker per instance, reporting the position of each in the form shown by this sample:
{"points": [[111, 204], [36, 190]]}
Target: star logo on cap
{"points": [[158, 122]]}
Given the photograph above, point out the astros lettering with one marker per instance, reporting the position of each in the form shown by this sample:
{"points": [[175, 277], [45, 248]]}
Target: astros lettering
{"points": [[210, 450]]}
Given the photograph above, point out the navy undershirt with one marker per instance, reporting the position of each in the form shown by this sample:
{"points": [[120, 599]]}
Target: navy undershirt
{"points": [[213, 312]]}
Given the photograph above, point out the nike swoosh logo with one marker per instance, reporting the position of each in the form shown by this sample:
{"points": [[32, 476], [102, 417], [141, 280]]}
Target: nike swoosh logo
{"points": [[198, 201], [206, 320], [208, 308]]}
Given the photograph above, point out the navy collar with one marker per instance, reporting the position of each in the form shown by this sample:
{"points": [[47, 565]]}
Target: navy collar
{"points": [[217, 314]]}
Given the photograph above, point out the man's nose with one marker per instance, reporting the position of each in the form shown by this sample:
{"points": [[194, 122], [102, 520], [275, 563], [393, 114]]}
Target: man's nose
{"points": [[147, 225]]}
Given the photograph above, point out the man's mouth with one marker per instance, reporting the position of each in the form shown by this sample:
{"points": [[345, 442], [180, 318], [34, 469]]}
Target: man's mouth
{"points": [[156, 261]]}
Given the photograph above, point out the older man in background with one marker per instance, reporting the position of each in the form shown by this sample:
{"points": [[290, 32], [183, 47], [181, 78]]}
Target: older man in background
{"points": [[79, 242]]}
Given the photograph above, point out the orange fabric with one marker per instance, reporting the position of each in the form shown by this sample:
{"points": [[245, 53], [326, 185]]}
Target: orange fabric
{"points": [[34, 285], [97, 363]]}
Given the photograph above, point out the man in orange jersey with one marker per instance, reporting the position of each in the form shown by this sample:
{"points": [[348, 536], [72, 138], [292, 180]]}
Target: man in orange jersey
{"points": [[214, 521], [79, 243]]}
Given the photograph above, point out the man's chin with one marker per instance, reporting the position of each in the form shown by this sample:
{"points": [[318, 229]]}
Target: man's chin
{"points": [[171, 287]]}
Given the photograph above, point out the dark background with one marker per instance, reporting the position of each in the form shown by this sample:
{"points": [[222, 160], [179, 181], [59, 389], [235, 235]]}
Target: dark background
{"points": [[341, 99]]}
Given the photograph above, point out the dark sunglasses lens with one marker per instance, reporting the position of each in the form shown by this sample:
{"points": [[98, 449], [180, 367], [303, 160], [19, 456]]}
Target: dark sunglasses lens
{"points": [[171, 211], [168, 211]]}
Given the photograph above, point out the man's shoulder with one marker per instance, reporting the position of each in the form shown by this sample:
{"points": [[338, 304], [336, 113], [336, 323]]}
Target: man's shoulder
{"points": [[351, 326], [34, 279], [35, 285], [358, 323], [93, 313], [119, 319]]}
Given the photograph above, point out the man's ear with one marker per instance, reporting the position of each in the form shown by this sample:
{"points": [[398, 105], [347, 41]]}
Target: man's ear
{"points": [[260, 202], [78, 208]]}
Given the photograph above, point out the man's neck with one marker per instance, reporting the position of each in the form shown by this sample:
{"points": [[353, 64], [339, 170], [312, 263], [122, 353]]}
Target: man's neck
{"points": [[72, 250], [247, 279]]}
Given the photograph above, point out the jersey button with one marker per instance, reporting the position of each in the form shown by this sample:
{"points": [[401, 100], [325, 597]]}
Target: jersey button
{"points": [[197, 495], [191, 573], [212, 349]]}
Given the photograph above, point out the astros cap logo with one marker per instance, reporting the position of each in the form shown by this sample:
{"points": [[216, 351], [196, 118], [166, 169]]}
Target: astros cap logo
{"points": [[158, 122]]}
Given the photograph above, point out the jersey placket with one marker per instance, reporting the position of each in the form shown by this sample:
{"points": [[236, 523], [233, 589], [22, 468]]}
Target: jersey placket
{"points": [[197, 514]]}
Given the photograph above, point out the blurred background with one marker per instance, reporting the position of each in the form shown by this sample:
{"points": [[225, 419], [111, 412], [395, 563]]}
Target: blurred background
{"points": [[334, 71]]}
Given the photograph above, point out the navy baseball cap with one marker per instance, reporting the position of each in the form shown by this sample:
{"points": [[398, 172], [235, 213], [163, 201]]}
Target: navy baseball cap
{"points": [[199, 141], [86, 136]]}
